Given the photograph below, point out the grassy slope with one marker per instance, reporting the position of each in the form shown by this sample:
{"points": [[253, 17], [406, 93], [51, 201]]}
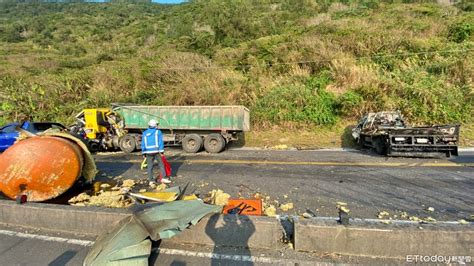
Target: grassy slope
{"points": [[59, 58]]}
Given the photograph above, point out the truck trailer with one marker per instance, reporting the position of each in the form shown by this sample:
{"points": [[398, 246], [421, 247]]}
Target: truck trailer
{"points": [[192, 127]]}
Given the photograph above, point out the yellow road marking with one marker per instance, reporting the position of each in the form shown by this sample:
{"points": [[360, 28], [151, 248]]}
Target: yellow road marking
{"points": [[383, 164]]}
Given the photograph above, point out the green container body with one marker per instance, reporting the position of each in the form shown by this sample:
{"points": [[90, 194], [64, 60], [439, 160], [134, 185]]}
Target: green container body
{"points": [[222, 118]]}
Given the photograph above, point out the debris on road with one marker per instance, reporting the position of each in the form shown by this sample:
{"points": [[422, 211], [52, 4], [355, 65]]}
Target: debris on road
{"points": [[383, 214], [111, 199], [462, 221], [218, 197], [429, 220], [128, 183], [156, 196], [342, 206], [270, 210], [430, 209], [160, 187], [286, 207], [309, 214], [80, 199]]}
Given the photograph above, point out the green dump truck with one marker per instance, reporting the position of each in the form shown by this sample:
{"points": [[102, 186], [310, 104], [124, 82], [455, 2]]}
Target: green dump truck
{"points": [[192, 127]]}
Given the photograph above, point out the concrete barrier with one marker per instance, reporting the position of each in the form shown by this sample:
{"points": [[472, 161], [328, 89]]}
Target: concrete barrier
{"points": [[73, 219], [395, 240], [234, 231], [229, 230], [361, 238]]}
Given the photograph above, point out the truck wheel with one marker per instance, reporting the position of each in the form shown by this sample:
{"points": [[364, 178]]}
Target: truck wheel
{"points": [[93, 146], [192, 143], [127, 144], [379, 147], [214, 143]]}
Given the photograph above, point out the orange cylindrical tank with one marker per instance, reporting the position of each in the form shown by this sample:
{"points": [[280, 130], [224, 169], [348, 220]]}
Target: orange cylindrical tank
{"points": [[41, 167]]}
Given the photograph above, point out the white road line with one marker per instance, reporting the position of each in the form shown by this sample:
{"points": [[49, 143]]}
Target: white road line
{"points": [[215, 256], [47, 238], [167, 251]]}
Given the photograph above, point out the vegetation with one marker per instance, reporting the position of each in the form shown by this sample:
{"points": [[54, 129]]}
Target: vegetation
{"points": [[294, 63]]}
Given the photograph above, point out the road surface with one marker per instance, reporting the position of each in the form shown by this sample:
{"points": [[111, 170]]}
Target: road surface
{"points": [[316, 180]]}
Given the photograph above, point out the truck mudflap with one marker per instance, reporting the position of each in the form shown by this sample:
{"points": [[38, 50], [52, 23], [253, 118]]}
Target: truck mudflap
{"points": [[420, 141]]}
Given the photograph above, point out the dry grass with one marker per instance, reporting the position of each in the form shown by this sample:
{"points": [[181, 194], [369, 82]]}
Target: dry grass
{"points": [[311, 137], [322, 137]]}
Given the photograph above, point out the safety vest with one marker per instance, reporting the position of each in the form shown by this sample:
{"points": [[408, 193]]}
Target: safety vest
{"points": [[152, 141]]}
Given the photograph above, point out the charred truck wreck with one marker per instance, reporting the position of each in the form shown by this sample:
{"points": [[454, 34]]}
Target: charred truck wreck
{"points": [[388, 134]]}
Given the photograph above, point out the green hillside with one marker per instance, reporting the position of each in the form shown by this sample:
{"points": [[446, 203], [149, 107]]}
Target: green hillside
{"points": [[314, 65]]}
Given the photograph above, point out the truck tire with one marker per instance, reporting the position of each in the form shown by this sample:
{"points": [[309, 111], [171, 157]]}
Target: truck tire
{"points": [[192, 143], [127, 143], [380, 147], [214, 143]]}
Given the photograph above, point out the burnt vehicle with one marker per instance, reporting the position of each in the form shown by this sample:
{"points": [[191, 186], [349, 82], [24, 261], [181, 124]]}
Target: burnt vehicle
{"points": [[388, 134]]}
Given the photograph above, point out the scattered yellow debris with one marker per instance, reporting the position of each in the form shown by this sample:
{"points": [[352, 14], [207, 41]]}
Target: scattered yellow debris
{"points": [[105, 185], [430, 209], [404, 215], [462, 221], [113, 199], [386, 222], [257, 196], [285, 196], [161, 187], [79, 198], [128, 183], [344, 209], [286, 207], [161, 196], [190, 197], [142, 190], [415, 219], [203, 185], [383, 214], [429, 220], [270, 210], [218, 197], [96, 187], [342, 206]]}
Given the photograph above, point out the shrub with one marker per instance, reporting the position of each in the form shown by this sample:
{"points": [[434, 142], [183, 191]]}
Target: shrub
{"points": [[349, 104], [309, 103], [460, 32]]}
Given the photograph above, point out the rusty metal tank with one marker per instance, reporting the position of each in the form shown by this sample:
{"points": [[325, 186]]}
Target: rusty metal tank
{"points": [[41, 167]]}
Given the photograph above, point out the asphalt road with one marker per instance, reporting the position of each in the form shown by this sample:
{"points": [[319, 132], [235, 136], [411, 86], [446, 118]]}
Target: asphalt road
{"points": [[316, 180]]}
